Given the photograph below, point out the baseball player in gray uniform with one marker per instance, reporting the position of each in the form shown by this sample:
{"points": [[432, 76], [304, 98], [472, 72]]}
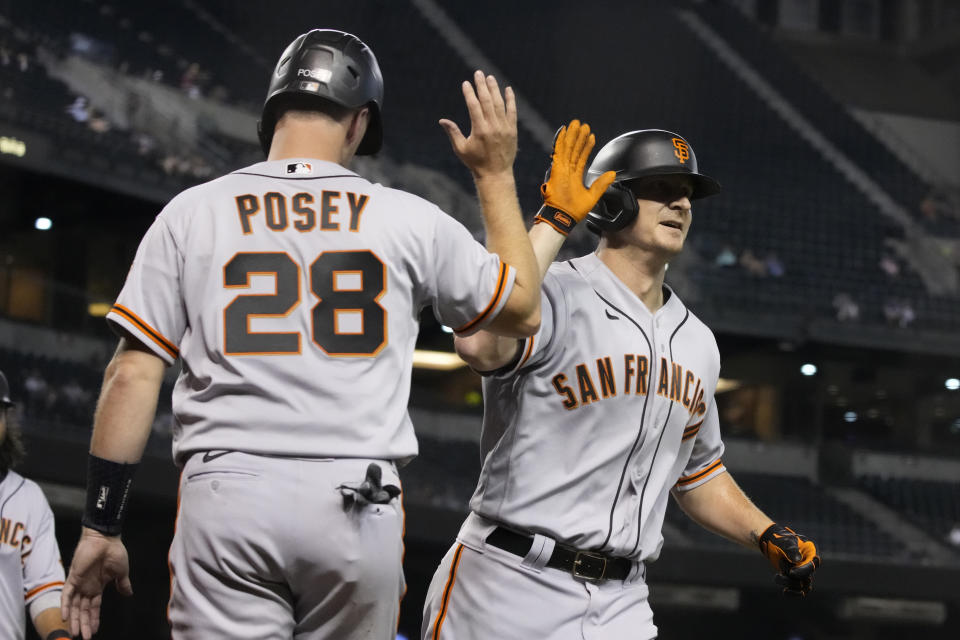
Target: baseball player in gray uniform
{"points": [[593, 422], [31, 574], [290, 293]]}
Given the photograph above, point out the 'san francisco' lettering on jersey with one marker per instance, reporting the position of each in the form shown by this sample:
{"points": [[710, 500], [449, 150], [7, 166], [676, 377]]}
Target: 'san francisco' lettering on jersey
{"points": [[277, 287], [598, 381], [12, 533], [608, 409]]}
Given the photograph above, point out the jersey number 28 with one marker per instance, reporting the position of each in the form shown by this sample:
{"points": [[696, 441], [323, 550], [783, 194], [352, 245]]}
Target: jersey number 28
{"points": [[347, 285]]}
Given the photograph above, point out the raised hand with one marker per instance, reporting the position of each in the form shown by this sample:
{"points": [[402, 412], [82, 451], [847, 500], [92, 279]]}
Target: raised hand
{"points": [[491, 146], [565, 198]]}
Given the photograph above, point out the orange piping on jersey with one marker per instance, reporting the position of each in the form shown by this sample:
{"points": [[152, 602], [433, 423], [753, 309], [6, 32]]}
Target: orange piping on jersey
{"points": [[700, 474], [528, 353], [44, 587], [149, 331], [501, 285], [692, 430], [446, 593]]}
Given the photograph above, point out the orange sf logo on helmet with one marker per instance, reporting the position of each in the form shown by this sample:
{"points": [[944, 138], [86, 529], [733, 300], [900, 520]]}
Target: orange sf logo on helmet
{"points": [[681, 149]]}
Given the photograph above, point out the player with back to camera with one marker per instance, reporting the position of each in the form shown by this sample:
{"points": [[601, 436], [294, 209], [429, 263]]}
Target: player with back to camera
{"points": [[290, 291], [591, 424], [31, 574]]}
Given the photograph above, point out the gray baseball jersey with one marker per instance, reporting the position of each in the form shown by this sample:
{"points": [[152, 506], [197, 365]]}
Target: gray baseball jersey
{"points": [[31, 574], [291, 291], [608, 409]]}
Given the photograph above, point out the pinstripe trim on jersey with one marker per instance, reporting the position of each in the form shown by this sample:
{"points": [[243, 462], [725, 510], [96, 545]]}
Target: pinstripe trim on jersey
{"points": [[264, 175], [147, 330], [23, 481], [501, 285], [703, 473], [691, 431], [643, 415], [44, 587], [446, 594], [656, 450]]}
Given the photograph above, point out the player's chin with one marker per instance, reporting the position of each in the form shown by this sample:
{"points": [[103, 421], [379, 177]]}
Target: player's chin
{"points": [[670, 242]]}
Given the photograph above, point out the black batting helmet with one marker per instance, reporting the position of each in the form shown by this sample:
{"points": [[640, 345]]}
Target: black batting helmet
{"points": [[332, 65], [641, 154], [5, 400]]}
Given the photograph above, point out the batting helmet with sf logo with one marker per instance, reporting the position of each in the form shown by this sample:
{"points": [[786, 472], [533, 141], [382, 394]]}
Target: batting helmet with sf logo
{"points": [[641, 154]]}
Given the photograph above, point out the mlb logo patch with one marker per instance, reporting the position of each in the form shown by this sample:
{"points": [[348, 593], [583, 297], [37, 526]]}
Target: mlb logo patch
{"points": [[299, 168]]}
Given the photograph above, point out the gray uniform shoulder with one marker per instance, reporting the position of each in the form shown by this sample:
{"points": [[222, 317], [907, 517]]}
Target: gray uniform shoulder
{"points": [[563, 273], [407, 201], [23, 488], [190, 199]]}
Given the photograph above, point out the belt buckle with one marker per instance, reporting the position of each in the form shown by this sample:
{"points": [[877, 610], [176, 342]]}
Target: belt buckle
{"points": [[589, 566]]}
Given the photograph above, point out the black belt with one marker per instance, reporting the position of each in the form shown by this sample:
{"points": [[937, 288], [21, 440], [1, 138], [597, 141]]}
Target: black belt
{"points": [[585, 565]]}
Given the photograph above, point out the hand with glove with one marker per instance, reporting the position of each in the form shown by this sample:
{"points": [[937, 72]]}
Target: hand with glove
{"points": [[793, 556], [566, 201]]}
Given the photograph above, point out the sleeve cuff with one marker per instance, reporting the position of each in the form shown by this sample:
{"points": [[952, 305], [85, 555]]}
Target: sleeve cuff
{"points": [[47, 600], [697, 478], [691, 431], [504, 286], [140, 329], [43, 590]]}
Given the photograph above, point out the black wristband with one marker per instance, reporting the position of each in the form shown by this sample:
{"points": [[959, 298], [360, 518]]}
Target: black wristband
{"points": [[108, 487], [559, 220], [58, 634]]}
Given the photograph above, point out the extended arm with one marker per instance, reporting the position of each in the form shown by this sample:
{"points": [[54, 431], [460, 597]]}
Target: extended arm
{"points": [[489, 153], [127, 404], [567, 197], [125, 411], [720, 506], [487, 351]]}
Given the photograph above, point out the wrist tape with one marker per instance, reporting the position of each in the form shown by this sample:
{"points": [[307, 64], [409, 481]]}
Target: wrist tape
{"points": [[108, 488], [562, 221]]}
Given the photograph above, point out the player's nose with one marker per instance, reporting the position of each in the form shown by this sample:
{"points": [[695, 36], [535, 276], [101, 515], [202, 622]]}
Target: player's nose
{"points": [[681, 204]]}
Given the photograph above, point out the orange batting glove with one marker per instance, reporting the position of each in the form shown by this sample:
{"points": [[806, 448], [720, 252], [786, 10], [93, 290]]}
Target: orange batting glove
{"points": [[566, 201], [793, 556]]}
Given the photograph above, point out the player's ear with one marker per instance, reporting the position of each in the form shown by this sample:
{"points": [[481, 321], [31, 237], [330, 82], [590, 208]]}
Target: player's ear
{"points": [[358, 127]]}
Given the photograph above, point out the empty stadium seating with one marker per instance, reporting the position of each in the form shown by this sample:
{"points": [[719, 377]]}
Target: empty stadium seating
{"points": [[806, 508], [932, 505]]}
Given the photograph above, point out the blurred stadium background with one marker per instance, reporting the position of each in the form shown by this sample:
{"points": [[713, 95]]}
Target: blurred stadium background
{"points": [[828, 268]]}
